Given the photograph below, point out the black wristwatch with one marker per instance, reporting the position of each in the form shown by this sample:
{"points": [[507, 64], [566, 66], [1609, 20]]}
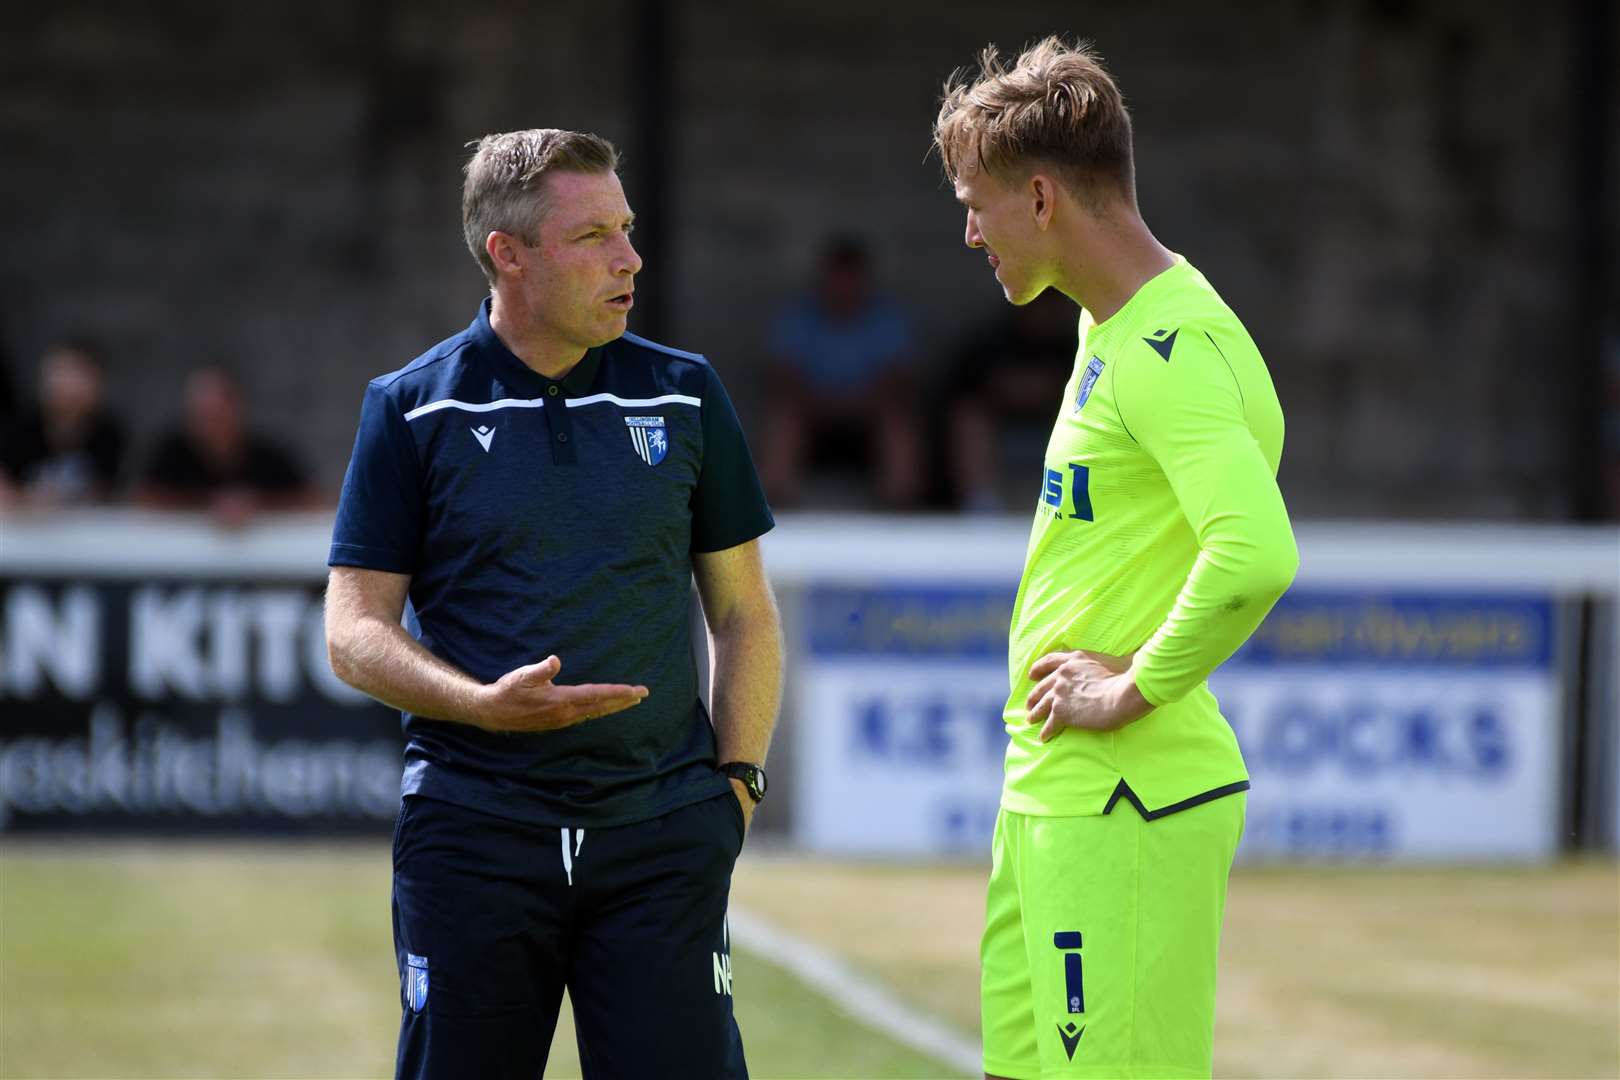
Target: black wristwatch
{"points": [[752, 776]]}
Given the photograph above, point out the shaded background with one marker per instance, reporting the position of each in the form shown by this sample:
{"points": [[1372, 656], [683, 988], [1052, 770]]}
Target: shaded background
{"points": [[1412, 205]]}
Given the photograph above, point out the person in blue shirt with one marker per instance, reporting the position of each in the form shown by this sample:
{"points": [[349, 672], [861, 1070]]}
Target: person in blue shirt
{"points": [[841, 384], [543, 488]]}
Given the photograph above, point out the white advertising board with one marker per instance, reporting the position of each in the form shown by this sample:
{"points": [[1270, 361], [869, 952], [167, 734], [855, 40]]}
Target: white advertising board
{"points": [[899, 727], [1377, 724], [1399, 725]]}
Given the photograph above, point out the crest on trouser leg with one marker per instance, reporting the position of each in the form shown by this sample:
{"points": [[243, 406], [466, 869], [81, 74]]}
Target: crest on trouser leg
{"points": [[416, 981]]}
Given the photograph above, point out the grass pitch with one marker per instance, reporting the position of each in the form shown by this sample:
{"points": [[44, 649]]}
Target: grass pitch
{"points": [[1325, 972], [257, 961]]}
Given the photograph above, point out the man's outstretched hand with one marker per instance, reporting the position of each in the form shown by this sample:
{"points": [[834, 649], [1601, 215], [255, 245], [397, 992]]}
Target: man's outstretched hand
{"points": [[526, 699]]}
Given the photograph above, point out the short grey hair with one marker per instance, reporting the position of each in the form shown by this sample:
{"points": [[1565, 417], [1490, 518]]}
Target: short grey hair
{"points": [[505, 186]]}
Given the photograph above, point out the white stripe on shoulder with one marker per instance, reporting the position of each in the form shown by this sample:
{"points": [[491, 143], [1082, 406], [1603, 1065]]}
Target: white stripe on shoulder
{"points": [[666, 349], [636, 403], [475, 406]]}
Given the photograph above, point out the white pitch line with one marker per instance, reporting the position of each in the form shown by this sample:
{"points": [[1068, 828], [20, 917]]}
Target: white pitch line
{"points": [[853, 994]]}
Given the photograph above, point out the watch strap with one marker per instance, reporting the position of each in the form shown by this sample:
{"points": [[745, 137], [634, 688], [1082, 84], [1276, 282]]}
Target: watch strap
{"points": [[750, 773]]}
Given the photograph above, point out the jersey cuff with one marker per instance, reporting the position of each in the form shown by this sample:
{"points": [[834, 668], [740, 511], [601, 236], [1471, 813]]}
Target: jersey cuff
{"points": [[1145, 687]]}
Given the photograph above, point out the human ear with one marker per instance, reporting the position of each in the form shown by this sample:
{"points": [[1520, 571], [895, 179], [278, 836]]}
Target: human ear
{"points": [[503, 253], [1043, 199]]}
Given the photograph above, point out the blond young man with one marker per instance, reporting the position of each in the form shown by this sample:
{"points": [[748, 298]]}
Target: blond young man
{"points": [[1160, 542], [544, 488]]}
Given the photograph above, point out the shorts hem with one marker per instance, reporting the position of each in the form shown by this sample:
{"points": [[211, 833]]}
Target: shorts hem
{"points": [[1010, 1070]]}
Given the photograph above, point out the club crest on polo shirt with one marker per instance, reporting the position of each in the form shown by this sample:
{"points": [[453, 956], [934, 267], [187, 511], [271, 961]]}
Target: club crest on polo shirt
{"points": [[649, 437], [1087, 381]]}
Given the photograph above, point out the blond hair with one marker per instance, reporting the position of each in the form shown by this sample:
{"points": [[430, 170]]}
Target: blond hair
{"points": [[1054, 105], [505, 186]]}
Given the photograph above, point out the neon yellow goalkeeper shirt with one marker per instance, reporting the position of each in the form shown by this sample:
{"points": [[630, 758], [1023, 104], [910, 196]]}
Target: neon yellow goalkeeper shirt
{"points": [[1160, 531]]}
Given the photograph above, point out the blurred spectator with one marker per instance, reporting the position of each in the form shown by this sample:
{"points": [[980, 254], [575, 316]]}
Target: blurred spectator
{"points": [[214, 462], [65, 450], [1002, 395], [840, 389]]}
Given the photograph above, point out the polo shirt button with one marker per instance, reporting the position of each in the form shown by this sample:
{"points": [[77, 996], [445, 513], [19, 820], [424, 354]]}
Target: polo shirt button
{"points": [[552, 390], [562, 436]]}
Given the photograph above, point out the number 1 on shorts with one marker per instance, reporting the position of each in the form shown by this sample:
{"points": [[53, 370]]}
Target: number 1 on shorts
{"points": [[1073, 977]]}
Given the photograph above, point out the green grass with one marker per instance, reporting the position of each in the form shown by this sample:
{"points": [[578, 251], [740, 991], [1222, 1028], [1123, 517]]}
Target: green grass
{"points": [[240, 961], [177, 962], [1325, 972], [1466, 972], [788, 1031], [193, 960]]}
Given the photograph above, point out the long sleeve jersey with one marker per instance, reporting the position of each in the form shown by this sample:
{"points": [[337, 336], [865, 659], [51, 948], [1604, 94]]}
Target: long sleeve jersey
{"points": [[1160, 531]]}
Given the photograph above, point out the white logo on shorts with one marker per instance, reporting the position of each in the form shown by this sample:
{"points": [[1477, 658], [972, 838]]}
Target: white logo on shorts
{"points": [[722, 974]]}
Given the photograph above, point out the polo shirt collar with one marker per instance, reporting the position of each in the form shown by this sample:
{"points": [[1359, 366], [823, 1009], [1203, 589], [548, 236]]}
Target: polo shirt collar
{"points": [[577, 383]]}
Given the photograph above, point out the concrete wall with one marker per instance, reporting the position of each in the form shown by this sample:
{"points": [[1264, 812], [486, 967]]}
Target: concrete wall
{"points": [[1381, 190]]}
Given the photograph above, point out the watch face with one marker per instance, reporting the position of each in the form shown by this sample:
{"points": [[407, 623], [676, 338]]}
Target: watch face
{"points": [[752, 777]]}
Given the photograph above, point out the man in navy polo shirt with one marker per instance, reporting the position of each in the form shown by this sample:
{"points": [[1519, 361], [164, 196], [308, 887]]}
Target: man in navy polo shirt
{"points": [[544, 487]]}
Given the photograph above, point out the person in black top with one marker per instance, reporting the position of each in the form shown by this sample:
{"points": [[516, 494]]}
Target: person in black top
{"points": [[542, 488], [213, 461], [999, 402], [67, 450]]}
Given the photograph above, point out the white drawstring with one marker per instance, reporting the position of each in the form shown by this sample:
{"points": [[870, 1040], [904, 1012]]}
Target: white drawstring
{"points": [[567, 856]]}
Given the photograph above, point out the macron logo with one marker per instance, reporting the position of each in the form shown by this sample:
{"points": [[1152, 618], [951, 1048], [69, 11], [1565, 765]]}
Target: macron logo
{"points": [[484, 434]]}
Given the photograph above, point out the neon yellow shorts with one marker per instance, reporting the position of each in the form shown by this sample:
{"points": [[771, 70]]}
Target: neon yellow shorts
{"points": [[1100, 942]]}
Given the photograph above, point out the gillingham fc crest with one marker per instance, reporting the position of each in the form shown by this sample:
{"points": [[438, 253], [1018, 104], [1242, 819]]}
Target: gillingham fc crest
{"points": [[1087, 381], [649, 437], [416, 981]]}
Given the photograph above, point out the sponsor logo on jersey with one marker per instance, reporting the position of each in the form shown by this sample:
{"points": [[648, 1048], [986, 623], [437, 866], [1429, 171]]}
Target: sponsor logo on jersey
{"points": [[484, 433], [1078, 488], [1087, 381], [1071, 1038], [649, 437]]}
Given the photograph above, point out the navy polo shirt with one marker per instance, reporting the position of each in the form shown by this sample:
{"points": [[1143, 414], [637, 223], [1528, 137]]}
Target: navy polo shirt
{"points": [[538, 516]]}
